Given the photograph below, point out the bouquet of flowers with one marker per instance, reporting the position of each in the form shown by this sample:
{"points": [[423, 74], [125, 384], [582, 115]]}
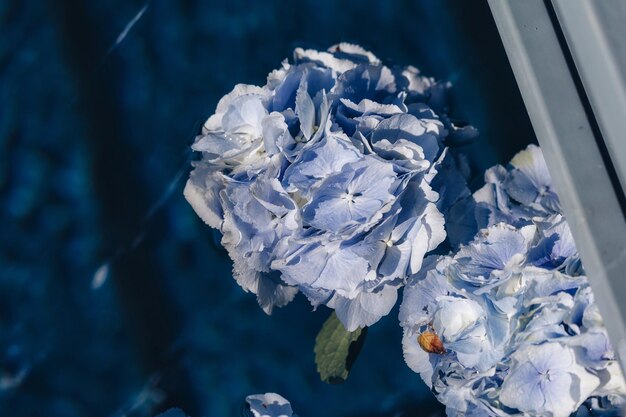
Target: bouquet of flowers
{"points": [[342, 178]]}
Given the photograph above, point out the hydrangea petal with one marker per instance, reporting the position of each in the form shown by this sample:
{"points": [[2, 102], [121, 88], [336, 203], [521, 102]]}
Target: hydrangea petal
{"points": [[366, 308], [269, 405], [202, 192]]}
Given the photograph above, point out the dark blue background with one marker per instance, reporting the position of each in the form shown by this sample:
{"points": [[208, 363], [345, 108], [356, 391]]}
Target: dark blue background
{"points": [[93, 158]]}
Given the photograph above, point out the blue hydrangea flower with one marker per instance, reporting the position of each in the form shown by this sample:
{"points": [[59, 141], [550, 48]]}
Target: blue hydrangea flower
{"points": [[518, 193], [518, 329], [556, 246], [529, 182], [320, 180], [489, 328], [354, 199], [268, 405], [546, 380], [493, 253]]}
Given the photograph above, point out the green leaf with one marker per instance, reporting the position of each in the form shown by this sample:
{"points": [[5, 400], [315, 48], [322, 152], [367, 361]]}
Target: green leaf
{"points": [[336, 349]]}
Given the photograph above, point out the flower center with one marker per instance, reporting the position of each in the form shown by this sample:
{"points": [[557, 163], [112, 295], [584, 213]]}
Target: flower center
{"points": [[351, 197], [546, 375]]}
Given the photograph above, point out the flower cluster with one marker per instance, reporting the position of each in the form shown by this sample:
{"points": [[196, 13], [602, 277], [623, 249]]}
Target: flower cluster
{"points": [[507, 325], [320, 180]]}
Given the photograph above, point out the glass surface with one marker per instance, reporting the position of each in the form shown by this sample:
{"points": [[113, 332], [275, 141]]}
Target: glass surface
{"points": [[115, 298]]}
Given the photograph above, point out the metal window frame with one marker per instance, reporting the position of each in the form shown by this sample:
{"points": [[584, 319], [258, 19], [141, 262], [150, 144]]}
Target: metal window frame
{"points": [[569, 60]]}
